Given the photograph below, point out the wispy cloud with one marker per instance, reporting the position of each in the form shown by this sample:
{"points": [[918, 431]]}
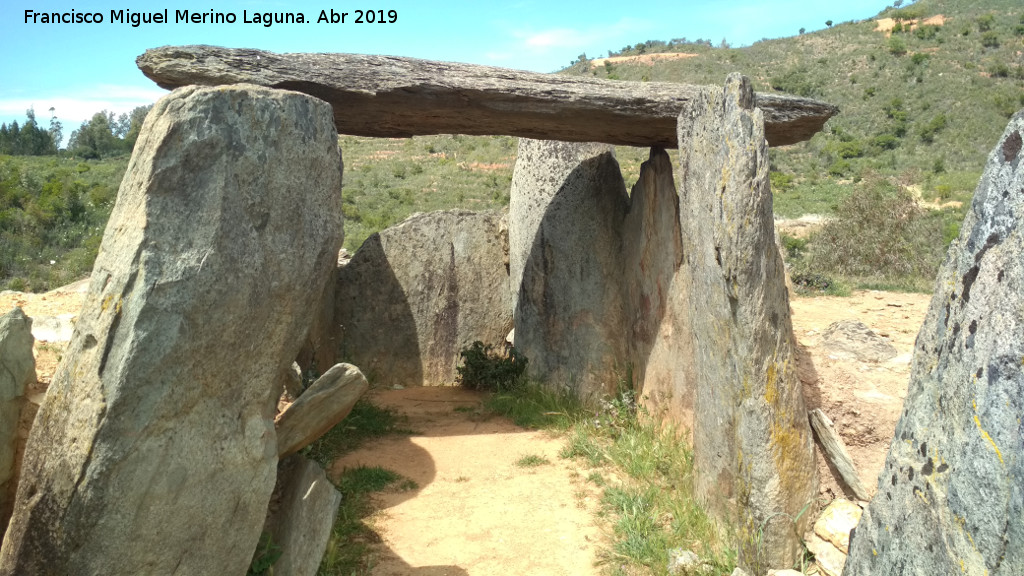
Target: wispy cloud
{"points": [[542, 41], [72, 107]]}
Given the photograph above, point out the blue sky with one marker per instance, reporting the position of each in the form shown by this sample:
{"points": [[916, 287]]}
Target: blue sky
{"points": [[80, 69]]}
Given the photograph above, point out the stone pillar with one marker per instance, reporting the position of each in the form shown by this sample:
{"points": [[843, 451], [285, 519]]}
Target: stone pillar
{"points": [[950, 499], [154, 451], [753, 450], [568, 204], [17, 370]]}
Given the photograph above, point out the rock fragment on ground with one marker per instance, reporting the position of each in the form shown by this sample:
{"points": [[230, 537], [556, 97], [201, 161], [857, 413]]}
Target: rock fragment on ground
{"points": [[305, 506], [325, 403], [853, 340]]}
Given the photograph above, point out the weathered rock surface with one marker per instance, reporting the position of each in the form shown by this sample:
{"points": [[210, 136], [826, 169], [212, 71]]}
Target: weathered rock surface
{"points": [[753, 450], [17, 370], [853, 340], [389, 96], [306, 504], [325, 403], [154, 451], [836, 521], [567, 209], [658, 328], [416, 294], [835, 451], [950, 497]]}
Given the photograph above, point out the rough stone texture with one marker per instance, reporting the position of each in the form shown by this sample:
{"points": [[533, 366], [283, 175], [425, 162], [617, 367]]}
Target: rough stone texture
{"points": [[827, 558], [836, 522], [391, 96], [325, 403], [567, 209], [416, 294], [154, 451], [835, 450], [658, 329], [853, 340], [300, 522], [320, 350], [753, 450], [950, 499], [17, 370]]}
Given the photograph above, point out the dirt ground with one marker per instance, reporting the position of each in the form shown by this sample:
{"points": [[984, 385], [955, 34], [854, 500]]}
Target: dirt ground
{"points": [[477, 513]]}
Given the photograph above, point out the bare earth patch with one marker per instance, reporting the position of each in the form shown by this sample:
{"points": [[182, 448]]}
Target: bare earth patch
{"points": [[476, 511], [887, 24], [641, 59]]}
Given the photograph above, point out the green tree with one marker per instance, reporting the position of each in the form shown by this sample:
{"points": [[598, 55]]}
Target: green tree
{"points": [[95, 138]]}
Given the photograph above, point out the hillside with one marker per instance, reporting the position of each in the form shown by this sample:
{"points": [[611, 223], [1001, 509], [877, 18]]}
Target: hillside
{"points": [[924, 90]]}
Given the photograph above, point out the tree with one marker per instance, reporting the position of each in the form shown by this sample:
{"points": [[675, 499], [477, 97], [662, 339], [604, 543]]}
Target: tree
{"points": [[95, 138], [828, 23], [897, 4], [56, 128], [802, 30]]}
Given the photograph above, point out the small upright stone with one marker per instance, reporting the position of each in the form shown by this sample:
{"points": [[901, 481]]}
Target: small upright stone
{"points": [[753, 450], [154, 452], [950, 499]]}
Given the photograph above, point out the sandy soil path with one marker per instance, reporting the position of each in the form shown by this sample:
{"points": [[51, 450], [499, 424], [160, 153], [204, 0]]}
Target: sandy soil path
{"points": [[476, 512]]}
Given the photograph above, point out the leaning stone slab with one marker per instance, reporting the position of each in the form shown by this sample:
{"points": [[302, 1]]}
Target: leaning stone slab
{"points": [[416, 294], [753, 450], [835, 451], [567, 208], [154, 451], [306, 504], [17, 370], [319, 408], [390, 96], [950, 498]]}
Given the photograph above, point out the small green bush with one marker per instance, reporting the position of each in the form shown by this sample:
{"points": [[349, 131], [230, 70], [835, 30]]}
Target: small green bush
{"points": [[985, 22], [897, 47], [483, 368], [879, 230], [990, 40], [933, 127]]}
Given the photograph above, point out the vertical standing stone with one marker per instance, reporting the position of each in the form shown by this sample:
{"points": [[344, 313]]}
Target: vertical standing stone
{"points": [[17, 370], [950, 499], [655, 289], [154, 452], [753, 450], [568, 203]]}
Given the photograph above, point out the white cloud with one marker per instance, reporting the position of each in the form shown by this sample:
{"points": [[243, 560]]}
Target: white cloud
{"points": [[542, 41], [73, 107]]}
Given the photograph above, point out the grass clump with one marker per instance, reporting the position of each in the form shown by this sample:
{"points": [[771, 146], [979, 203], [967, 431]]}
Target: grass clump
{"points": [[347, 550], [366, 421], [532, 461], [535, 406]]}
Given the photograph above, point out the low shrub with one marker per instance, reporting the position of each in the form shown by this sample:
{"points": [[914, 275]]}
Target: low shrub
{"points": [[484, 368]]}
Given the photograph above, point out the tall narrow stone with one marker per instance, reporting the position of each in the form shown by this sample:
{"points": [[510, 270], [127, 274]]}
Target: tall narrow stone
{"points": [[17, 370], [950, 499], [658, 330], [753, 450], [154, 451], [568, 204]]}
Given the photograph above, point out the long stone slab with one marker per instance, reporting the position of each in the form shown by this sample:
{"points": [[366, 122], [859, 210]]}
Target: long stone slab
{"points": [[394, 97]]}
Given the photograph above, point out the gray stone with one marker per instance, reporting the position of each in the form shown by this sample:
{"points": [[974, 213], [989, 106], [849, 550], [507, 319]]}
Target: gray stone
{"points": [[567, 209], [17, 370], [950, 498], [655, 289], [325, 403], [753, 450], [853, 340], [390, 96], [154, 451], [835, 450], [302, 515], [416, 294]]}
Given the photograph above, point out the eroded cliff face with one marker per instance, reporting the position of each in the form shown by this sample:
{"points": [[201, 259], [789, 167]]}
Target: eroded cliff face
{"points": [[950, 497]]}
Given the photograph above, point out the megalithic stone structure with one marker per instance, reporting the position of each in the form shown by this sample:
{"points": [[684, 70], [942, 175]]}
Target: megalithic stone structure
{"points": [[753, 450], [950, 498], [154, 452], [389, 96]]}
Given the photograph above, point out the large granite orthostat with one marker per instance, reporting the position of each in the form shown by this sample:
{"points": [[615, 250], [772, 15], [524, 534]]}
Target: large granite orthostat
{"points": [[17, 371], [416, 294], [390, 96], [154, 451], [753, 450], [950, 499]]}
